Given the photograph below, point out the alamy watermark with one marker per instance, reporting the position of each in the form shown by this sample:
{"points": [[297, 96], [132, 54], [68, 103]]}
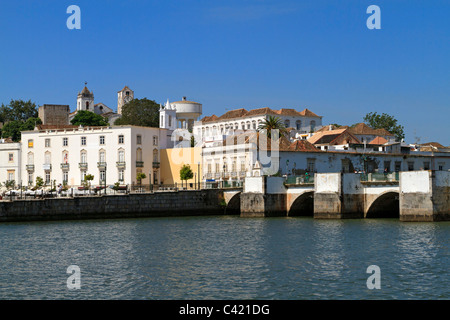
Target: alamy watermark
{"points": [[74, 280], [374, 281], [374, 21], [74, 20]]}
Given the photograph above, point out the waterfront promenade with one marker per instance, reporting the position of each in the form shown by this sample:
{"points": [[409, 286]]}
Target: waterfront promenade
{"points": [[408, 196]]}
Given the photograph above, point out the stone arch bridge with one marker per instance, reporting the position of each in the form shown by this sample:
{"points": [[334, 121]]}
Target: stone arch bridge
{"points": [[409, 196]]}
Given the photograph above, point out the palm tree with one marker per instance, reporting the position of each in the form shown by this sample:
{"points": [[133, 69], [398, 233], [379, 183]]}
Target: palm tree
{"points": [[273, 123]]}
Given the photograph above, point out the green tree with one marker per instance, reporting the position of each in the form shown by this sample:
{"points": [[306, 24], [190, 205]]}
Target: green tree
{"points": [[39, 182], [87, 181], [18, 110], [385, 121], [186, 173], [140, 176], [88, 119], [272, 123], [13, 128], [140, 112]]}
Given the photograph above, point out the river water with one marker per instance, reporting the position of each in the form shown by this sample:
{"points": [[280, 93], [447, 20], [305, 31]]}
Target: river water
{"points": [[224, 257]]}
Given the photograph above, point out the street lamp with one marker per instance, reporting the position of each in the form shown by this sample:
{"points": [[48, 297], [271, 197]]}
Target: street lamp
{"points": [[198, 170]]}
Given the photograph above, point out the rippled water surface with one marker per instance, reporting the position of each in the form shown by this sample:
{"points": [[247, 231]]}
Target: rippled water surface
{"points": [[224, 258]]}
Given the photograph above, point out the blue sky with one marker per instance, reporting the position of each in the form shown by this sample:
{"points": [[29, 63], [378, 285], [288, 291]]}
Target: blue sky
{"points": [[238, 54]]}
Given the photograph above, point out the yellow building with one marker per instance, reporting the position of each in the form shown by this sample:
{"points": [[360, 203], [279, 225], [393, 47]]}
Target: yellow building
{"points": [[172, 160]]}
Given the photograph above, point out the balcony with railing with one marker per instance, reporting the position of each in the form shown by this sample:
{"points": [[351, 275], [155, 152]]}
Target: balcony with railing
{"points": [[101, 165], [300, 180], [121, 164], [65, 166], [83, 166], [139, 164], [391, 177], [155, 164], [30, 167], [46, 167]]}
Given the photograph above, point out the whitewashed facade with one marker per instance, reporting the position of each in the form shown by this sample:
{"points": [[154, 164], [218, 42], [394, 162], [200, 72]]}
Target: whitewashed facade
{"points": [[110, 154], [10, 162]]}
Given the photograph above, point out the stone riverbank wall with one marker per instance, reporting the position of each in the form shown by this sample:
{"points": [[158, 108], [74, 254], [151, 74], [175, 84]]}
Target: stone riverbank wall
{"points": [[158, 204]]}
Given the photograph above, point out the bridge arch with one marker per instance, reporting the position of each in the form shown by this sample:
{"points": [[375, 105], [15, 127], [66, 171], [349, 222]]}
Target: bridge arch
{"points": [[386, 205], [303, 205], [234, 204]]}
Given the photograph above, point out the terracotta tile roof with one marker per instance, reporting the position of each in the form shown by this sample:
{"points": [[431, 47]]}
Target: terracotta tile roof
{"points": [[334, 137], [232, 114], [319, 135], [210, 118], [434, 144], [333, 127], [125, 88], [301, 145], [362, 128], [239, 113], [308, 113], [378, 140]]}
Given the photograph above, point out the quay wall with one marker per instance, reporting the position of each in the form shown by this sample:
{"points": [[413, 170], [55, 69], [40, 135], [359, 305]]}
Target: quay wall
{"points": [[158, 204]]}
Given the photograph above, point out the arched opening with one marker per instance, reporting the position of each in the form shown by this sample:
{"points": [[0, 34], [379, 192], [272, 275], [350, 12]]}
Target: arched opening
{"points": [[385, 206], [303, 206], [234, 205]]}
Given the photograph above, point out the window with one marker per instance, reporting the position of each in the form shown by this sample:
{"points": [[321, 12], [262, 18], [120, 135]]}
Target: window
{"points": [[47, 177], [30, 143], [83, 157], [121, 156], [313, 125], [138, 154], [217, 169], [87, 105], [398, 166], [10, 175], [30, 158], [102, 175], [441, 166], [311, 164], [83, 176], [155, 155], [48, 158], [65, 176], [47, 143], [30, 179], [410, 166], [65, 142], [121, 138], [242, 165], [287, 123], [102, 140], [102, 156], [298, 124], [209, 167], [83, 141], [121, 175], [387, 166], [170, 121], [138, 139], [426, 165], [65, 157], [155, 140], [11, 157]]}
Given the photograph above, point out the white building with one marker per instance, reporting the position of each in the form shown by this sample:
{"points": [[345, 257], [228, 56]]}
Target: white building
{"points": [[10, 162], [110, 154], [215, 128]]}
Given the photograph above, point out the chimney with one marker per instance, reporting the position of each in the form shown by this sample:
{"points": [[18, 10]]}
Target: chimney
{"points": [[331, 127]]}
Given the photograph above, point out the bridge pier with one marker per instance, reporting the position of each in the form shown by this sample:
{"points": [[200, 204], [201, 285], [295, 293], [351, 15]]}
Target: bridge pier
{"points": [[425, 196], [263, 198]]}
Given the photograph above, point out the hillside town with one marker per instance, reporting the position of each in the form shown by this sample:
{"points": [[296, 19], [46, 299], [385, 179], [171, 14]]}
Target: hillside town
{"points": [[218, 148]]}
